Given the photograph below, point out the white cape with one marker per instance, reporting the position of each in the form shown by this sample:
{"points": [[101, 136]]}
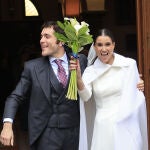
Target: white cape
{"points": [[131, 125]]}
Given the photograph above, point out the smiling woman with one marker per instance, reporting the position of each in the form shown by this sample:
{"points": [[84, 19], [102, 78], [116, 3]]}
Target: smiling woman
{"points": [[115, 108]]}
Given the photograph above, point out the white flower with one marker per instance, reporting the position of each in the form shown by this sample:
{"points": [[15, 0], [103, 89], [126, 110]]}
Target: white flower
{"points": [[83, 23], [66, 18], [88, 32], [77, 27], [74, 22]]}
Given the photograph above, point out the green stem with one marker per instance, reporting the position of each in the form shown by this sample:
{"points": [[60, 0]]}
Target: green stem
{"points": [[72, 89]]}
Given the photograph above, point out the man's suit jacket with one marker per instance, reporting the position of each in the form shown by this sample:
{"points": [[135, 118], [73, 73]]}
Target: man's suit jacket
{"points": [[35, 83]]}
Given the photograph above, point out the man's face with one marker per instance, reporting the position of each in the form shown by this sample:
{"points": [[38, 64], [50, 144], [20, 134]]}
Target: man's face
{"points": [[49, 44]]}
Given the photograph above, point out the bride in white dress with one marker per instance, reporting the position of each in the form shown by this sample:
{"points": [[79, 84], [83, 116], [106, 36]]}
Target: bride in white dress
{"points": [[120, 122]]}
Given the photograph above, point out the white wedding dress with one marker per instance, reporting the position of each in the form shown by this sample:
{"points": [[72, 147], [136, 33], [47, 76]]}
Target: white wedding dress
{"points": [[120, 120], [107, 95]]}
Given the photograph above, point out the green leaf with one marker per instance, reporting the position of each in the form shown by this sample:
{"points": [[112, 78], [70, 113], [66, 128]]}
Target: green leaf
{"points": [[84, 40], [61, 25], [75, 47], [82, 30], [70, 32], [61, 37]]}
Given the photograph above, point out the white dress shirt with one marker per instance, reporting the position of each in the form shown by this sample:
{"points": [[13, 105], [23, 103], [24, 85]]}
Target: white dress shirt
{"points": [[64, 64]]}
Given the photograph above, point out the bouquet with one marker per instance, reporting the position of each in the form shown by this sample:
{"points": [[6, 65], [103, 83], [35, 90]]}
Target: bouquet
{"points": [[76, 36]]}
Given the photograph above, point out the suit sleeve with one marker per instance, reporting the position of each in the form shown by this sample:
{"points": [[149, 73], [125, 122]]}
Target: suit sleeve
{"points": [[83, 62], [20, 93]]}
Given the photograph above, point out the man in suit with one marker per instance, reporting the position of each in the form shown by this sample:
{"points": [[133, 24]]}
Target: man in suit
{"points": [[53, 119]]}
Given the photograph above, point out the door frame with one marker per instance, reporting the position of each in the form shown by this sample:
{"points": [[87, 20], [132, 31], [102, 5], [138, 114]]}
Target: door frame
{"points": [[143, 44]]}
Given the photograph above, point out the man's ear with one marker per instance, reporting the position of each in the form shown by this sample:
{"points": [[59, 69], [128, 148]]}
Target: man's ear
{"points": [[61, 43]]}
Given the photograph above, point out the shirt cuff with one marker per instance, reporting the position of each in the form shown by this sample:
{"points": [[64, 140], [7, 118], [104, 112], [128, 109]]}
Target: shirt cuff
{"points": [[8, 120]]}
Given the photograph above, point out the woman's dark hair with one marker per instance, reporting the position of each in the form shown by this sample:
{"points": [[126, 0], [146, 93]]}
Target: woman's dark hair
{"points": [[104, 32]]}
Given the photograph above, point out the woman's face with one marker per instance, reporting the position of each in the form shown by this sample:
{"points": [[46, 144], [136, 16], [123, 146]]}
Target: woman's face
{"points": [[104, 49]]}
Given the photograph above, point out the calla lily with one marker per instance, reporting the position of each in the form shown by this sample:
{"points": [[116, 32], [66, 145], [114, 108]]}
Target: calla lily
{"points": [[74, 22], [83, 23], [77, 27]]}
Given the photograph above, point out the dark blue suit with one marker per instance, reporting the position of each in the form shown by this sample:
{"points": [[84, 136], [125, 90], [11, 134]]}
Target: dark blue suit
{"points": [[48, 107]]}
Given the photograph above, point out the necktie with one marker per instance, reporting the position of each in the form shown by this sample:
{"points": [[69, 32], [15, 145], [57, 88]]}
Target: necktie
{"points": [[61, 72]]}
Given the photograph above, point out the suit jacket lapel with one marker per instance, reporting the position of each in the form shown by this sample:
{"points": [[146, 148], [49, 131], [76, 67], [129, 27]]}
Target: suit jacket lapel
{"points": [[43, 75], [46, 76]]}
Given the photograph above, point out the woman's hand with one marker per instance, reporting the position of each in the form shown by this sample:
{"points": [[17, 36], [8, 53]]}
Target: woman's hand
{"points": [[140, 84]]}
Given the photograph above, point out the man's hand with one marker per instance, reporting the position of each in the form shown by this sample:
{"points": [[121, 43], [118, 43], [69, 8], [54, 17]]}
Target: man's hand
{"points": [[140, 84], [7, 136]]}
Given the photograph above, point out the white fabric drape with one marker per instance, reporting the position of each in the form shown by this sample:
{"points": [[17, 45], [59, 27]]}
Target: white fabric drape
{"points": [[131, 125], [91, 55]]}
